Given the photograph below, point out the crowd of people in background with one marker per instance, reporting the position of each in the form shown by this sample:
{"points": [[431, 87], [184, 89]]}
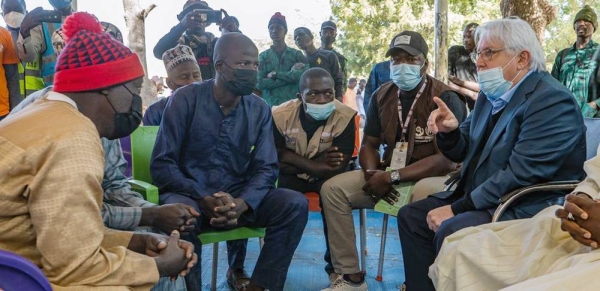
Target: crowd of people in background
{"points": [[245, 133]]}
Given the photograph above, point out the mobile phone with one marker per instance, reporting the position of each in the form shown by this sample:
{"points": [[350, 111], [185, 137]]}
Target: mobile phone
{"points": [[51, 16], [209, 15]]}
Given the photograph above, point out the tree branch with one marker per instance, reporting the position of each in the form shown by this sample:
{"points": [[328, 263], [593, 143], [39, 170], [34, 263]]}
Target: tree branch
{"points": [[144, 13]]}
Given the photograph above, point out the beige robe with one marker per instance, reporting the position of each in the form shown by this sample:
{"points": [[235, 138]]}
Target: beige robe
{"points": [[525, 254], [51, 167]]}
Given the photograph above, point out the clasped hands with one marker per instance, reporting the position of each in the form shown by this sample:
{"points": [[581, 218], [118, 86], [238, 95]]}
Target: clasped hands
{"points": [[173, 256], [222, 209], [579, 217]]}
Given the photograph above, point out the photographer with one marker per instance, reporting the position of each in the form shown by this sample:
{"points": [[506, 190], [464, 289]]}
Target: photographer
{"points": [[190, 31], [34, 43]]}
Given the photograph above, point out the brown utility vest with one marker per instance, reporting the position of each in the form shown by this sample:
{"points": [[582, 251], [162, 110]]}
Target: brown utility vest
{"points": [[287, 119], [421, 142]]}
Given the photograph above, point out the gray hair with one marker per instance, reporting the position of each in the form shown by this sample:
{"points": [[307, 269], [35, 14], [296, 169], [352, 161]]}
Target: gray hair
{"points": [[517, 36]]}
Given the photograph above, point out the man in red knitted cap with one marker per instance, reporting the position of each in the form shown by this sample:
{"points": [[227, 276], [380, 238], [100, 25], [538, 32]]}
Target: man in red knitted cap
{"points": [[52, 165]]}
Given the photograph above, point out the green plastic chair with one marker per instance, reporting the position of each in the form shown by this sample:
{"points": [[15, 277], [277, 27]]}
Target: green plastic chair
{"points": [[142, 144]]}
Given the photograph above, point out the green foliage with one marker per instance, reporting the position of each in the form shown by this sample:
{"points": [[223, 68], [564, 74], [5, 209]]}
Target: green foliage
{"points": [[366, 27]]}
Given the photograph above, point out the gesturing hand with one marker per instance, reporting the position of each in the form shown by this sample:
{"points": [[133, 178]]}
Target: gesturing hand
{"points": [[441, 119]]}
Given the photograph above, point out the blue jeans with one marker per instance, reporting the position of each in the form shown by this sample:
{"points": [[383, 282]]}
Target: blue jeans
{"points": [[282, 212]]}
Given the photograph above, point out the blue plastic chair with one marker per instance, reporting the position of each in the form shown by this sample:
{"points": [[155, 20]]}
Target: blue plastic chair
{"points": [[18, 273]]}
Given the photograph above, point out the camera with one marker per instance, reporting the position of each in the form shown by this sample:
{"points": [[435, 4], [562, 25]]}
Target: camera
{"points": [[209, 15], [206, 15]]}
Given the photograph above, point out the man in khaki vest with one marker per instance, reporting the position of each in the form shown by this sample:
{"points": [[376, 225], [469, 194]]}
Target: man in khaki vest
{"points": [[397, 118], [314, 135]]}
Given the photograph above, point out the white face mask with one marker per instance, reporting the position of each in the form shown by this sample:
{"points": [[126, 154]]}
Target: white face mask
{"points": [[14, 19]]}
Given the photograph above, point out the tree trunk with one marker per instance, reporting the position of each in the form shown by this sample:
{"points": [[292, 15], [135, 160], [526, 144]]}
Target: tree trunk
{"points": [[539, 13], [441, 40], [136, 26]]}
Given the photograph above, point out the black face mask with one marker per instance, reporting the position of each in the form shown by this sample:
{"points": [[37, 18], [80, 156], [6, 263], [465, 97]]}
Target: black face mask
{"points": [[327, 40], [126, 123], [244, 82]]}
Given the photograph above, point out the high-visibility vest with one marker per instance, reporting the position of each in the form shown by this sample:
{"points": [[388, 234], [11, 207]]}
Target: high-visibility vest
{"points": [[30, 79]]}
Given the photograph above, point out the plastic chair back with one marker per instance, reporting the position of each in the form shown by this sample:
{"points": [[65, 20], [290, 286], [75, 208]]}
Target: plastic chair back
{"points": [[17, 273], [142, 144], [592, 136]]}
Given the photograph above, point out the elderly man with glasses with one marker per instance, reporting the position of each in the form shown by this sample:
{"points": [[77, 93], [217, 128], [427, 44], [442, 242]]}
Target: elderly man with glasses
{"points": [[525, 129]]}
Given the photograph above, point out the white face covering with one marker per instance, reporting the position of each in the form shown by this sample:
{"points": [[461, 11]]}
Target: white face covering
{"points": [[14, 19]]}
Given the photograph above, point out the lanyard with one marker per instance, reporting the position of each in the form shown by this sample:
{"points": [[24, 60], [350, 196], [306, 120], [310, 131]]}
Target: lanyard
{"points": [[410, 112]]}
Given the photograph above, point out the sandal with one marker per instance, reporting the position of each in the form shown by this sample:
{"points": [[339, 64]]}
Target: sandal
{"points": [[238, 279]]}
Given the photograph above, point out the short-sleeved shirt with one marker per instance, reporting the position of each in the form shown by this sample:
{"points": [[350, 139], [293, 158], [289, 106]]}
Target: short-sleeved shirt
{"points": [[8, 56]]}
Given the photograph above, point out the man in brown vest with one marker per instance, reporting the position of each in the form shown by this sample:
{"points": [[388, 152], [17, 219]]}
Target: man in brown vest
{"points": [[397, 118], [314, 136]]}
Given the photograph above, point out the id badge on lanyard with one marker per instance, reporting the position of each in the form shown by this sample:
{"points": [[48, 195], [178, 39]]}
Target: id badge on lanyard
{"points": [[399, 155]]}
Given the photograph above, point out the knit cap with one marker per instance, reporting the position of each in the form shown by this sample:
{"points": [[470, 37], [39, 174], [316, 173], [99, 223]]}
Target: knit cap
{"points": [[177, 55], [91, 59], [279, 19], [587, 14]]}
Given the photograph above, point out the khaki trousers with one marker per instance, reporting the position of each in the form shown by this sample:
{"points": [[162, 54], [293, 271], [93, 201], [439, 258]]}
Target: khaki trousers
{"points": [[343, 193]]}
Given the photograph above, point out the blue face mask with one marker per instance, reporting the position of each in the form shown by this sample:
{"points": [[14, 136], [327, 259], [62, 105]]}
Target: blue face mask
{"points": [[406, 76], [319, 111], [492, 82], [60, 4]]}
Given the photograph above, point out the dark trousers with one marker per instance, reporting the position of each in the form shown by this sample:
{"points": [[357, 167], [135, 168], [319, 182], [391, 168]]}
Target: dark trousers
{"points": [[283, 213], [303, 186], [420, 245]]}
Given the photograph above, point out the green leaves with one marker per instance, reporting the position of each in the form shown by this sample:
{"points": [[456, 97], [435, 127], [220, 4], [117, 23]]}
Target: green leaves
{"points": [[366, 27]]}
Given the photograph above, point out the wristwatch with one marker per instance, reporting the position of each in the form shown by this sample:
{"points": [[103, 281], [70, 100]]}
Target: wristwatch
{"points": [[395, 175]]}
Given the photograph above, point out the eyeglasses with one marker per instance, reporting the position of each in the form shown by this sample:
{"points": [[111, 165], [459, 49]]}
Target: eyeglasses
{"points": [[486, 54]]}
